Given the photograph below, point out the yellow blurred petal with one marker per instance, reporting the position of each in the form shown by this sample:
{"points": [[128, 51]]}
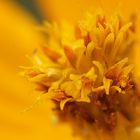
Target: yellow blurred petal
{"points": [[53, 55], [17, 34], [66, 10]]}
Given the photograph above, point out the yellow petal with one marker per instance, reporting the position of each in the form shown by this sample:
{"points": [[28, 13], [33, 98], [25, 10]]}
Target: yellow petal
{"points": [[84, 95], [119, 39], [72, 88], [70, 55], [53, 55], [127, 70], [91, 74], [108, 43], [99, 66], [90, 49], [117, 88], [107, 84], [74, 77], [120, 64], [63, 102], [83, 63]]}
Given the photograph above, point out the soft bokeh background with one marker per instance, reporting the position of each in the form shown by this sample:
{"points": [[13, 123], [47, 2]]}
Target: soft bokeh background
{"points": [[18, 37]]}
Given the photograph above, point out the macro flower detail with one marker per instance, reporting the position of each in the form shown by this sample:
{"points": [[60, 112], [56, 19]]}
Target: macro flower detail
{"points": [[86, 71]]}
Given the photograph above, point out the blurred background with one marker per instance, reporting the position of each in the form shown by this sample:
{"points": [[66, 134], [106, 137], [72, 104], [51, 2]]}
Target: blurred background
{"points": [[18, 37]]}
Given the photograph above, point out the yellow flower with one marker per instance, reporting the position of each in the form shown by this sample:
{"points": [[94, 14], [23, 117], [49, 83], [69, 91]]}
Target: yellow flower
{"points": [[18, 37], [85, 70]]}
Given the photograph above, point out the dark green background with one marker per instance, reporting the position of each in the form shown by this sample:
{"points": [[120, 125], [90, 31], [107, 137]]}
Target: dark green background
{"points": [[31, 7]]}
